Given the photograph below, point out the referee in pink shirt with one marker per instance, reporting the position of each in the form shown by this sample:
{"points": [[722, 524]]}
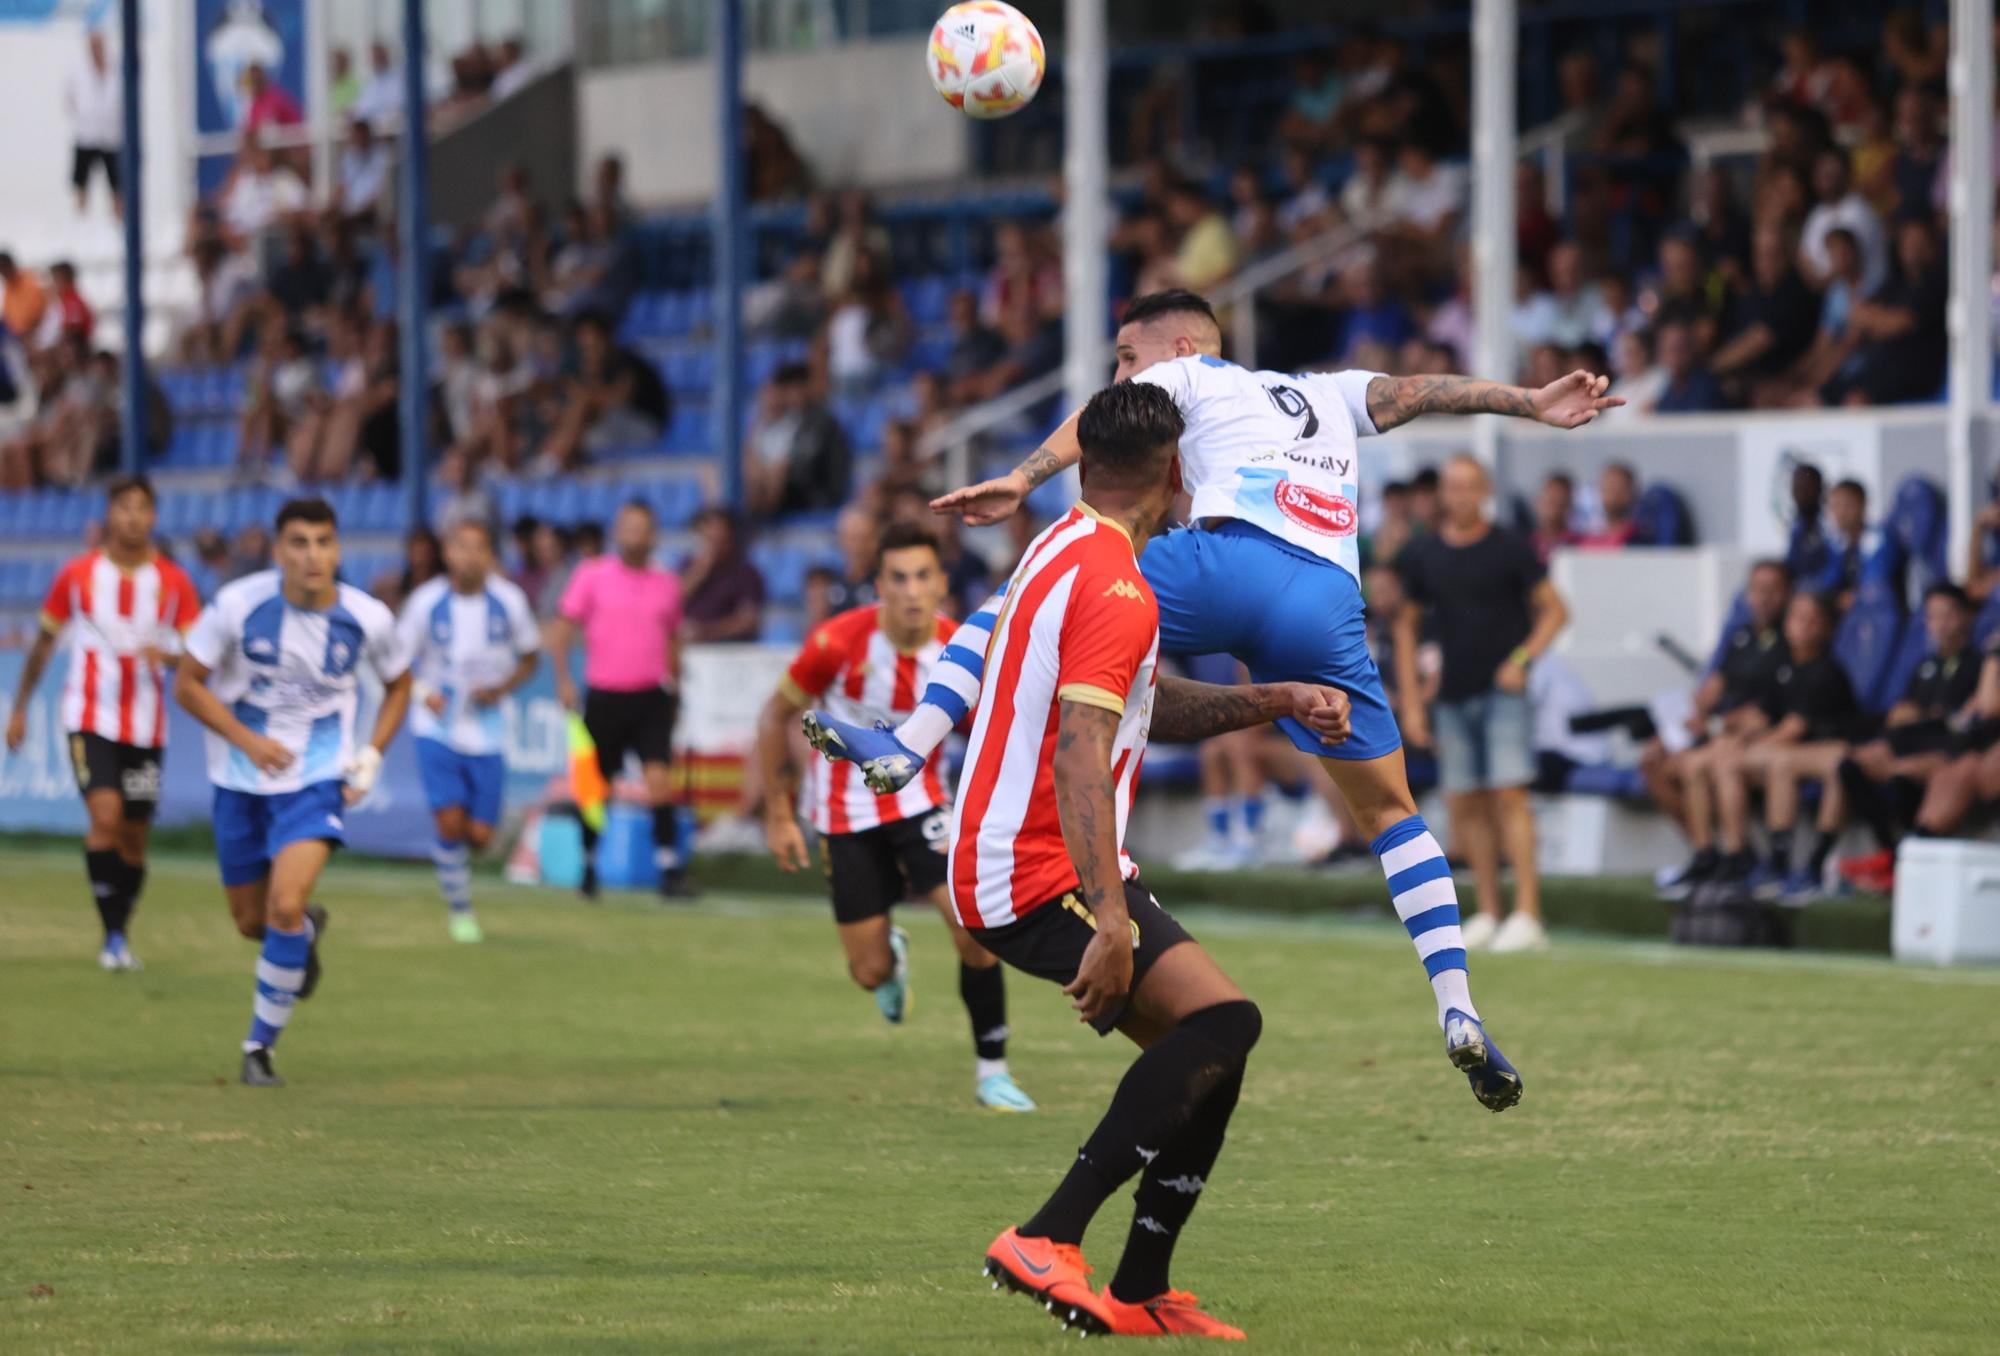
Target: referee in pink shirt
{"points": [[628, 610]]}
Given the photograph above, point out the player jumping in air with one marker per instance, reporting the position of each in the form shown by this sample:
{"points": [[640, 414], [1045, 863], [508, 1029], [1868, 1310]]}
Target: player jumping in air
{"points": [[472, 639], [1039, 875], [284, 650], [1270, 573], [125, 607], [871, 662]]}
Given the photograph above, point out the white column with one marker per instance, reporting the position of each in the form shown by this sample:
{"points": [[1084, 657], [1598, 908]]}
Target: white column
{"points": [[1086, 179], [1494, 137], [319, 51], [1971, 217]]}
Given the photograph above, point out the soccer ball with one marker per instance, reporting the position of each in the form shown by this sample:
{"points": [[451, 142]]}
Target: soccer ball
{"points": [[985, 58]]}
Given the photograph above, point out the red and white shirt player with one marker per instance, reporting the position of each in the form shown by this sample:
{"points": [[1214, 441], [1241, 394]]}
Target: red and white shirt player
{"points": [[851, 667], [114, 617], [1079, 624]]}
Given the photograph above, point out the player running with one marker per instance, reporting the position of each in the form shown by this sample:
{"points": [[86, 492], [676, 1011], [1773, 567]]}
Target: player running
{"points": [[871, 662], [1039, 875], [124, 607], [284, 648], [471, 638], [1270, 573]]}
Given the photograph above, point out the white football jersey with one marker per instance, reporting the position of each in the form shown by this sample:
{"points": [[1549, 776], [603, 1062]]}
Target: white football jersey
{"points": [[1273, 449], [459, 643], [291, 675]]}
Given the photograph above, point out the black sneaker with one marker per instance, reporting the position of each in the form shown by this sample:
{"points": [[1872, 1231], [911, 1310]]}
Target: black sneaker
{"points": [[1679, 885], [257, 1070], [676, 885], [316, 914], [588, 889]]}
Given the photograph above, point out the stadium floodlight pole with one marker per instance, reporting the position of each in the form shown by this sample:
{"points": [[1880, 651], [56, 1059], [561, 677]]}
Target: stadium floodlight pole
{"points": [[730, 249], [1971, 243], [131, 193], [1086, 176], [1494, 141], [413, 231]]}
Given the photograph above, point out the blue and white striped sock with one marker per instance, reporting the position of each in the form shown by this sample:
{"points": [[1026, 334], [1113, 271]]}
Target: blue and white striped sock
{"points": [[281, 969], [454, 872], [1420, 886], [954, 686]]}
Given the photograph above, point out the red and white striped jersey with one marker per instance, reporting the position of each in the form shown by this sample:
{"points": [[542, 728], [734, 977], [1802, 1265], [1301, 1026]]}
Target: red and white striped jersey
{"points": [[114, 617], [849, 665], [1079, 625]]}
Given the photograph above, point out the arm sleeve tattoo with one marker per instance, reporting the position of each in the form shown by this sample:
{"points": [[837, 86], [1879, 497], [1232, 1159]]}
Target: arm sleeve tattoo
{"points": [[1398, 400]]}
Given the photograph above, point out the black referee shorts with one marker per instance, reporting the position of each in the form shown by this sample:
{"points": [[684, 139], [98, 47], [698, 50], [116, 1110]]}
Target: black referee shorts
{"points": [[1049, 942], [132, 771], [871, 871], [630, 722], [87, 156]]}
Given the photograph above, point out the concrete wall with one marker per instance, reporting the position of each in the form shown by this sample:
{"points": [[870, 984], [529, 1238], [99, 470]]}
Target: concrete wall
{"points": [[535, 129], [863, 113]]}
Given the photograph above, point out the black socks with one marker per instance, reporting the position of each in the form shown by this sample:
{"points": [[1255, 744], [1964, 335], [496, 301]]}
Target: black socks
{"points": [[114, 887], [985, 995]]}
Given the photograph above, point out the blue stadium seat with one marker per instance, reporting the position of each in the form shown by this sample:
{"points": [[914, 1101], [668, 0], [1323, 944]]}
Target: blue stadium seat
{"points": [[1915, 649], [1868, 641], [1662, 518], [1917, 524]]}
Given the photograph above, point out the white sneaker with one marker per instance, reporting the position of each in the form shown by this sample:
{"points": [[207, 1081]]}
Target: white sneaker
{"points": [[1478, 931], [1520, 933]]}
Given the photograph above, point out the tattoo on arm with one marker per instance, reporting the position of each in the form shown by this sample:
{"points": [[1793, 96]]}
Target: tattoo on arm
{"points": [[1185, 711], [1039, 467], [1085, 799], [1398, 400]]}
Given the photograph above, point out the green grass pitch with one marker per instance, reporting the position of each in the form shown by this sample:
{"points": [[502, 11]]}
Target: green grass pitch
{"points": [[626, 1128]]}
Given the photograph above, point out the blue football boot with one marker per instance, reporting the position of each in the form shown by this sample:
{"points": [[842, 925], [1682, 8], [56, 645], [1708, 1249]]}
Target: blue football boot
{"points": [[1467, 1046], [886, 765]]}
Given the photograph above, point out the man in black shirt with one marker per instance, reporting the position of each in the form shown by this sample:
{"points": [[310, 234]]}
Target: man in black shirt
{"points": [[1882, 780], [1809, 704], [1773, 323], [1493, 611], [1727, 711]]}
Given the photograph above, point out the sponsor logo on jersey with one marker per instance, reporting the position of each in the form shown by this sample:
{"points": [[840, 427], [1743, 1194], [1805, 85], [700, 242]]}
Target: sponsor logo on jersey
{"points": [[1320, 511], [1124, 588]]}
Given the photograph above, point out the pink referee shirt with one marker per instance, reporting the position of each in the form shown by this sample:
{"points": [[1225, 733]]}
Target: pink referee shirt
{"points": [[626, 616]]}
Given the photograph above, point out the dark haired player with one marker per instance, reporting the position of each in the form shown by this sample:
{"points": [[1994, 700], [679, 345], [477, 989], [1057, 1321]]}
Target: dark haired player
{"points": [[870, 663], [1270, 573], [273, 669], [124, 607], [1040, 878]]}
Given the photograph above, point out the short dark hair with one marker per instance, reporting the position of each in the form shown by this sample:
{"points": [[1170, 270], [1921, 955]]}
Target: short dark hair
{"points": [[477, 524], [1562, 478], [125, 485], [791, 374], [1825, 603], [587, 532], [313, 510], [905, 537], [1425, 481], [1945, 589], [1172, 301], [1772, 563], [1854, 487], [1122, 430], [635, 502]]}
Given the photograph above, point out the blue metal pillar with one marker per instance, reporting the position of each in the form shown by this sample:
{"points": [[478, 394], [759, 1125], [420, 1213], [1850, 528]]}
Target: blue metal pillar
{"points": [[131, 194], [413, 231], [730, 252]]}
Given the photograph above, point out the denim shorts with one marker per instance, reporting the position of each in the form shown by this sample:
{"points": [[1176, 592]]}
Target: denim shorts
{"points": [[1485, 742]]}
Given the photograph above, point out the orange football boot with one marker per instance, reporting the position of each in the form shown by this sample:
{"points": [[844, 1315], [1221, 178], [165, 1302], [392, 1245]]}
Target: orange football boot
{"points": [[1173, 1314], [1054, 1273]]}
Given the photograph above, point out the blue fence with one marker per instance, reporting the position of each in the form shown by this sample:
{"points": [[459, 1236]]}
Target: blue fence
{"points": [[38, 793]]}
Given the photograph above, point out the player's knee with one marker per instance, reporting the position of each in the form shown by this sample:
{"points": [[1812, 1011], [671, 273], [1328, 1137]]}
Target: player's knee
{"points": [[451, 826], [477, 834], [1234, 1025], [870, 974], [249, 923]]}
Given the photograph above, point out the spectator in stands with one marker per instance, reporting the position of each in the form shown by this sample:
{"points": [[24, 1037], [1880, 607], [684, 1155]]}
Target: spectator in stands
{"points": [[789, 306], [1690, 387], [1368, 198], [380, 101], [1913, 174], [614, 399], [974, 347], [607, 186], [1773, 322], [1810, 701], [25, 301], [356, 422], [1426, 203], [1687, 295], [511, 68], [594, 271], [1848, 546], [722, 592], [1555, 514], [1830, 357], [95, 96], [1639, 380], [1882, 780], [1726, 710], [1377, 321], [1026, 272], [797, 456], [69, 316], [1303, 203], [822, 584], [1634, 124], [281, 392], [1838, 205], [1034, 348], [226, 293], [423, 561], [776, 168], [301, 282], [1617, 497], [1568, 311], [867, 331], [1806, 550], [343, 86], [249, 553], [1205, 252], [361, 190], [855, 532], [1495, 611], [260, 194], [77, 420], [210, 563], [267, 104], [1899, 331], [545, 573], [856, 234], [1722, 234]]}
